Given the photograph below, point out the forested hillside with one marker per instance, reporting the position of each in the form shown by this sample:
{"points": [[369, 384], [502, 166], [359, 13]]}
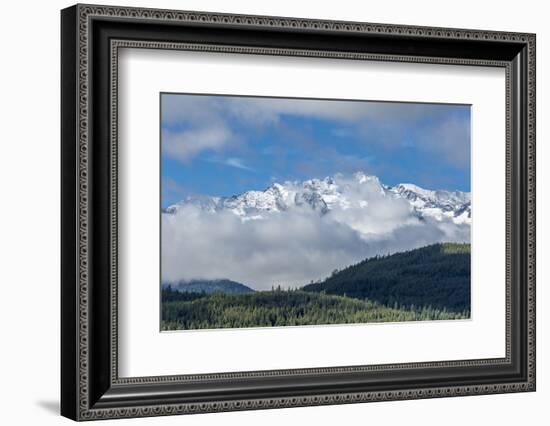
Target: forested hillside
{"points": [[429, 283], [185, 311], [436, 276]]}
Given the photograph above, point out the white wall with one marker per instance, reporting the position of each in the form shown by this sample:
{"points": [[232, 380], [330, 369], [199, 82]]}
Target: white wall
{"points": [[29, 213]]}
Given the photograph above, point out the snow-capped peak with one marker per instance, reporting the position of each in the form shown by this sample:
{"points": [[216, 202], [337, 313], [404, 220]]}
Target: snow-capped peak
{"points": [[338, 192], [363, 178]]}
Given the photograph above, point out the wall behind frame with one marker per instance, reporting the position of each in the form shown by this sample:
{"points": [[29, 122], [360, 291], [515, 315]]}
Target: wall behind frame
{"points": [[29, 217]]}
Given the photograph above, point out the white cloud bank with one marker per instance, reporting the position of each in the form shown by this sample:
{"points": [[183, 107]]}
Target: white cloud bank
{"points": [[184, 145], [292, 248]]}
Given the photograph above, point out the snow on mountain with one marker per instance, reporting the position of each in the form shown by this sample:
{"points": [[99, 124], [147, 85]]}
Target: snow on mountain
{"points": [[293, 232], [334, 195]]}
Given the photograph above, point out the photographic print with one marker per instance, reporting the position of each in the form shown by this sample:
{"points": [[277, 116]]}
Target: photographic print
{"points": [[299, 212]]}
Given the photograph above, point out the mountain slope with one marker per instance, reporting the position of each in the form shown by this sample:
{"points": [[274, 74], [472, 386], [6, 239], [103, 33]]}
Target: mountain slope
{"points": [[437, 275], [210, 286]]}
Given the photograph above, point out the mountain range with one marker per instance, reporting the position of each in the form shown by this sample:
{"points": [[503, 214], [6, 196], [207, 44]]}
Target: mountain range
{"points": [[335, 193], [209, 286]]}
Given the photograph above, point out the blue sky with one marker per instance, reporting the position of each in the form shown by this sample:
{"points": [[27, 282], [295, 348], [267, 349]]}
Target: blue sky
{"points": [[225, 145]]}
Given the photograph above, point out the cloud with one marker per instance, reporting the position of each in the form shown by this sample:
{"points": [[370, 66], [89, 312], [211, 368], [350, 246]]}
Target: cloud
{"points": [[172, 191], [193, 109], [195, 123], [236, 162], [186, 144], [286, 250], [297, 246], [451, 138], [270, 110], [443, 137]]}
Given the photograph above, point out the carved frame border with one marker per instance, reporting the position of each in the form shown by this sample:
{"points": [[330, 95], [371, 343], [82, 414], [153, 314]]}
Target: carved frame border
{"points": [[85, 13]]}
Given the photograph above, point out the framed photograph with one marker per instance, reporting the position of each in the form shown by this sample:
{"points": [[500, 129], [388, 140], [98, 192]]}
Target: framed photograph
{"points": [[263, 212]]}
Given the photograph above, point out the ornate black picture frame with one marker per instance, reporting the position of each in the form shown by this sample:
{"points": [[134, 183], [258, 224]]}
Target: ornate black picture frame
{"points": [[91, 36]]}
